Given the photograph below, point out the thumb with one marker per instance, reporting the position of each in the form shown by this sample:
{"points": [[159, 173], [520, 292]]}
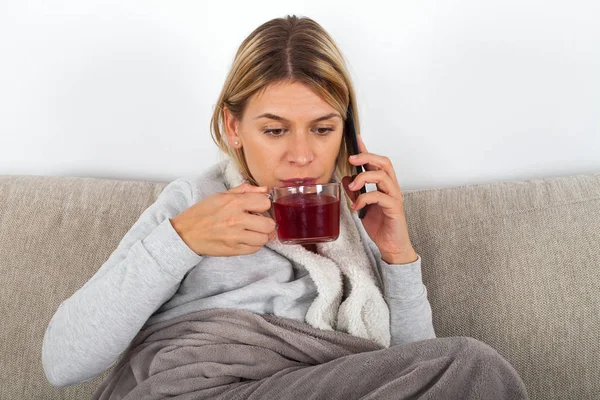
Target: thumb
{"points": [[248, 188]]}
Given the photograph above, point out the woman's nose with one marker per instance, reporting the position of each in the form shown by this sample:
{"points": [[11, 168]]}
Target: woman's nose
{"points": [[300, 151]]}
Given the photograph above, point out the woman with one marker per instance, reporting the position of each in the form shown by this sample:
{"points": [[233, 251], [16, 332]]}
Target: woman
{"points": [[202, 270]]}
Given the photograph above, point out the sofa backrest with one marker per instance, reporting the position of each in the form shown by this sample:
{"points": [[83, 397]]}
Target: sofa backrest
{"points": [[54, 235], [517, 266]]}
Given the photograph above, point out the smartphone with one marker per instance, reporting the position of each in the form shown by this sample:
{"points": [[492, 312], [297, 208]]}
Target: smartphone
{"points": [[352, 139]]}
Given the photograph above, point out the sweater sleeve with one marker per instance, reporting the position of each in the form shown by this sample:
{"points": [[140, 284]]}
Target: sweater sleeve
{"points": [[406, 296], [91, 329]]}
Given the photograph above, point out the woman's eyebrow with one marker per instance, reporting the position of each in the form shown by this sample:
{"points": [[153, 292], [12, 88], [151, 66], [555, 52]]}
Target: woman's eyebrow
{"points": [[278, 118]]}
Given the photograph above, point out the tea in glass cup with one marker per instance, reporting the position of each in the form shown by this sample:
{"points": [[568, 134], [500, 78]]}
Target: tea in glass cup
{"points": [[307, 214]]}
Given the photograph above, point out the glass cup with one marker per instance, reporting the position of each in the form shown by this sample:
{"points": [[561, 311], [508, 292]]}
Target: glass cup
{"points": [[307, 214]]}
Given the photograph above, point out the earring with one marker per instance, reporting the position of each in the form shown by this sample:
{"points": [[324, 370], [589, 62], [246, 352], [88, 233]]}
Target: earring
{"points": [[236, 142]]}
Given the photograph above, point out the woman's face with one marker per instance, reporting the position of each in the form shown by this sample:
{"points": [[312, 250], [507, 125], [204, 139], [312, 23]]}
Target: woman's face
{"points": [[289, 136]]}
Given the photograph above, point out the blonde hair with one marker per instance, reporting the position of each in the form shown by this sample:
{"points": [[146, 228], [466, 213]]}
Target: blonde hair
{"points": [[288, 49]]}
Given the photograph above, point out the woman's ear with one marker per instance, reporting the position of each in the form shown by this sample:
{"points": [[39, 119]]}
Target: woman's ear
{"points": [[231, 129]]}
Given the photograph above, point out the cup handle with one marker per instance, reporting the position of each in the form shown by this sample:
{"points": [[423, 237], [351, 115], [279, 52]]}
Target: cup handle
{"points": [[271, 210], [270, 197]]}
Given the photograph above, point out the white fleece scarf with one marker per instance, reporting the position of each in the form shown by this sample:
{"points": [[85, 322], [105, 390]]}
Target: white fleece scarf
{"points": [[364, 313]]}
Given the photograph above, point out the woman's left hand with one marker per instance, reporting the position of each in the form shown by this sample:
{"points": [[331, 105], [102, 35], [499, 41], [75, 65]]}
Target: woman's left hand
{"points": [[384, 221]]}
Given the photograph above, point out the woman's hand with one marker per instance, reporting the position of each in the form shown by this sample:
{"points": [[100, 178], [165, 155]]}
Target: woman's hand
{"points": [[222, 224], [384, 220]]}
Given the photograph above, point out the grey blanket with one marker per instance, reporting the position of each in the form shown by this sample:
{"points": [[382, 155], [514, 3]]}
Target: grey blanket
{"points": [[234, 354]]}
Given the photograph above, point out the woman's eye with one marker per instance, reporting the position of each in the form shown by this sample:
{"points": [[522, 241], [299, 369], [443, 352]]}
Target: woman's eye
{"points": [[274, 132], [279, 132], [323, 131]]}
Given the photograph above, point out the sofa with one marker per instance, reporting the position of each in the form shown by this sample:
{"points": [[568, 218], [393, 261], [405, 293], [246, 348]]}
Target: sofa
{"points": [[514, 264]]}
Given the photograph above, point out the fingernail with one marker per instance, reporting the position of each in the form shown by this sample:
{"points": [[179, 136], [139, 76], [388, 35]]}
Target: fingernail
{"points": [[351, 185], [353, 157]]}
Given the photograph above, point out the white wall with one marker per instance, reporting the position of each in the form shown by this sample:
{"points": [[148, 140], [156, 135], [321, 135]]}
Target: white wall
{"points": [[454, 92]]}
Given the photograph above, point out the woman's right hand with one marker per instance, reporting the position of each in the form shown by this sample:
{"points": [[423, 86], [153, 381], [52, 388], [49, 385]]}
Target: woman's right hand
{"points": [[222, 224]]}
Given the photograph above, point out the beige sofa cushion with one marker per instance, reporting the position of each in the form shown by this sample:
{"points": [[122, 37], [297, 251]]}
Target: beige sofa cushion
{"points": [[514, 264], [517, 265], [55, 233]]}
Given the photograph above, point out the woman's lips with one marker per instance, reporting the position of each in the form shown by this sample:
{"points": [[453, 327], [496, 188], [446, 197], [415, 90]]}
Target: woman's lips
{"points": [[299, 181]]}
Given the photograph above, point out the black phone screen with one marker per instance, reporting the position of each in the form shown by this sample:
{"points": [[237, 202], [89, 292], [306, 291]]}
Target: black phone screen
{"points": [[350, 131]]}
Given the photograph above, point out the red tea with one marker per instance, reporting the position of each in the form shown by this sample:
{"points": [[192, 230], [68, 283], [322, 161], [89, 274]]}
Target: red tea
{"points": [[307, 218]]}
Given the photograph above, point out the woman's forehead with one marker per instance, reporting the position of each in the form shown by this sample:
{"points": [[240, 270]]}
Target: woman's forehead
{"points": [[289, 101]]}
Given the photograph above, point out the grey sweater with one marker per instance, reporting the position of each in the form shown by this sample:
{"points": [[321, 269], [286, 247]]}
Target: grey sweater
{"points": [[153, 276]]}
